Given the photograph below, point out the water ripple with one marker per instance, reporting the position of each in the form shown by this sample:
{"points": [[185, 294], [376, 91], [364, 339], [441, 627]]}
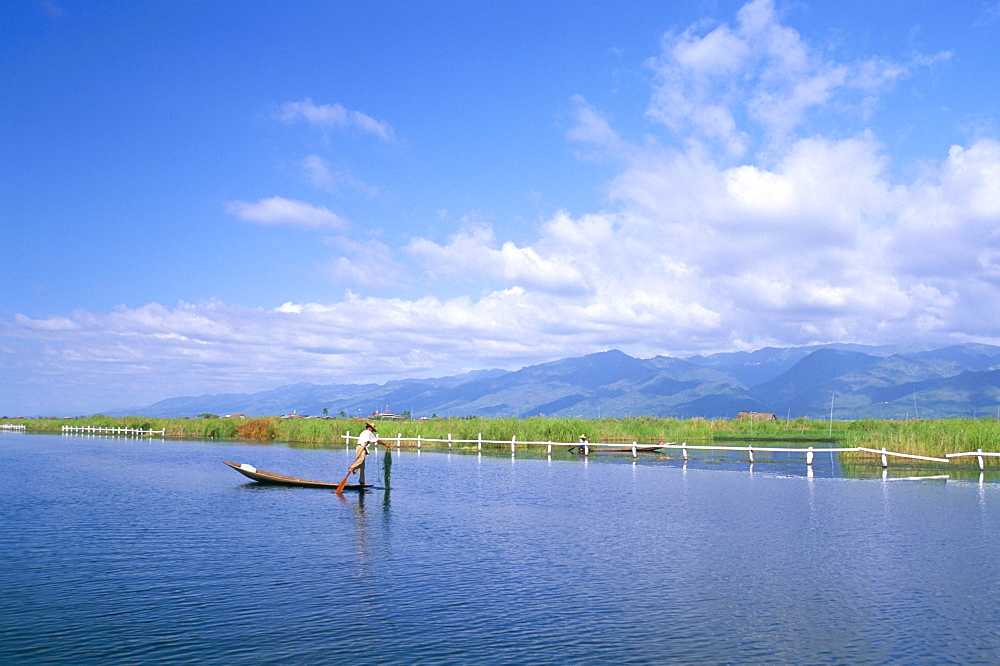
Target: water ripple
{"points": [[156, 553]]}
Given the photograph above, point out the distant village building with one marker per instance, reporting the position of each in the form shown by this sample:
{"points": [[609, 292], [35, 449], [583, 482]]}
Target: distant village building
{"points": [[386, 415], [757, 416]]}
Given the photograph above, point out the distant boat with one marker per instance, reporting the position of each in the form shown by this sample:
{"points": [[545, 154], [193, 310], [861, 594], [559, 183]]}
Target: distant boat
{"points": [[605, 448], [270, 478]]}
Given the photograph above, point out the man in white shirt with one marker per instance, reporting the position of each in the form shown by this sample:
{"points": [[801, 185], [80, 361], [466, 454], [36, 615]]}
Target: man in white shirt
{"points": [[368, 436]]}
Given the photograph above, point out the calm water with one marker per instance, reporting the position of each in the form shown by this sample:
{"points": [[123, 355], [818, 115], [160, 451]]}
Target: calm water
{"points": [[125, 551]]}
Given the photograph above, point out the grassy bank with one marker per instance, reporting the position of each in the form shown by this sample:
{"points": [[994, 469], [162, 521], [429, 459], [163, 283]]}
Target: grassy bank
{"points": [[930, 438]]}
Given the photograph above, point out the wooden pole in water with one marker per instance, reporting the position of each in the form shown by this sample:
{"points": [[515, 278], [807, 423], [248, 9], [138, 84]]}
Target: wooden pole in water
{"points": [[832, 396]]}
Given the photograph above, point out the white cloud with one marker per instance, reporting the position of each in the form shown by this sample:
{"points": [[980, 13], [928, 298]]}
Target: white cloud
{"points": [[321, 175], [820, 248], [763, 71], [591, 128], [759, 190], [948, 222], [361, 263], [278, 211], [473, 253], [335, 116], [50, 324]]}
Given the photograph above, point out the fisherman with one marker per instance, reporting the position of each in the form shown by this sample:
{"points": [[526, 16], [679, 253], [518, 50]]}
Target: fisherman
{"points": [[583, 445], [367, 436]]}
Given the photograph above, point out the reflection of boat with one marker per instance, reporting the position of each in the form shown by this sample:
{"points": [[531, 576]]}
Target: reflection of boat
{"points": [[262, 476]]}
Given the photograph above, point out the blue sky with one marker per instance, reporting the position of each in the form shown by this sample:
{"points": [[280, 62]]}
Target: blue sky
{"points": [[231, 196]]}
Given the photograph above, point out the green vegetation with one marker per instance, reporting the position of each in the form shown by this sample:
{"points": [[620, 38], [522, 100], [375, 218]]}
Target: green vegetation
{"points": [[919, 437], [926, 438]]}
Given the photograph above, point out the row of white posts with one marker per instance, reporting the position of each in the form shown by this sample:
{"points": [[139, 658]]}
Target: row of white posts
{"points": [[635, 448], [12, 426], [112, 431]]}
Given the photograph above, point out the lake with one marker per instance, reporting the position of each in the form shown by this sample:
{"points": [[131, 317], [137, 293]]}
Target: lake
{"points": [[153, 551]]}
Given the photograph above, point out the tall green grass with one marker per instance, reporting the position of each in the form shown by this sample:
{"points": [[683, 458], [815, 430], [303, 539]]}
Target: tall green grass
{"points": [[929, 438], [920, 437]]}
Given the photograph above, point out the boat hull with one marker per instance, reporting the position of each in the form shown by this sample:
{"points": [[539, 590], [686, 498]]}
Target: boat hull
{"points": [[598, 448], [274, 479]]}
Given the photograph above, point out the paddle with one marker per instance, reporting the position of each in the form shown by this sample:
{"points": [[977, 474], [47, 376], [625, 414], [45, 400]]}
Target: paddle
{"points": [[340, 488]]}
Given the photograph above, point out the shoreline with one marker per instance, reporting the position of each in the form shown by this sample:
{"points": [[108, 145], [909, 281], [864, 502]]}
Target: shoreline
{"points": [[934, 438]]}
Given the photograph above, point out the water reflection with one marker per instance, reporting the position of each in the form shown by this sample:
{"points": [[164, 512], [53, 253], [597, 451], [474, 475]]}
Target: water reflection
{"points": [[386, 479], [159, 553]]}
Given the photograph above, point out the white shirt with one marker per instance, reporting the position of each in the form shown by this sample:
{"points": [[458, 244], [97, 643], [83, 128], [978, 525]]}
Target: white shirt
{"points": [[367, 437]]}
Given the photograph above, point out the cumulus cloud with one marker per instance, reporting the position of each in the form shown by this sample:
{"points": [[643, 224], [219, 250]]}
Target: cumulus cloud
{"points": [[762, 70], [335, 116], [278, 211], [473, 252]]}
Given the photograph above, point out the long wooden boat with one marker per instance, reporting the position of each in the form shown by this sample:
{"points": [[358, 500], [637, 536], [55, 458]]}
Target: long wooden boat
{"points": [[271, 478], [615, 448]]}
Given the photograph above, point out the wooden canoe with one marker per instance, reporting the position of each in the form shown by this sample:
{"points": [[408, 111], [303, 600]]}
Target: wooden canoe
{"points": [[263, 476], [615, 448]]}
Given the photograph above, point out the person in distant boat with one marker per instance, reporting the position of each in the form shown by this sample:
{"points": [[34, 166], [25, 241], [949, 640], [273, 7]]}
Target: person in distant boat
{"points": [[367, 437], [583, 444]]}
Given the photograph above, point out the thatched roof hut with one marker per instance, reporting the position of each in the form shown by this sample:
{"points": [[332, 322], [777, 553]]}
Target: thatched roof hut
{"points": [[757, 416]]}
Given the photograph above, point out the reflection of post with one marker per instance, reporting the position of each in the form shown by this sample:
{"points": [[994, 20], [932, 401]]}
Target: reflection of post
{"points": [[386, 469], [386, 473]]}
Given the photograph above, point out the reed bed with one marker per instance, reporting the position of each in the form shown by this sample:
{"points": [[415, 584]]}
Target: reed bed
{"points": [[919, 437], [925, 437]]}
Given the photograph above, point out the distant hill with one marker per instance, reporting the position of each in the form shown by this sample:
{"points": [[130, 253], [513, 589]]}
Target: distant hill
{"points": [[856, 381]]}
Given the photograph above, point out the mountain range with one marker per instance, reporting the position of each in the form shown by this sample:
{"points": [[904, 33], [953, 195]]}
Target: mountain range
{"points": [[847, 381]]}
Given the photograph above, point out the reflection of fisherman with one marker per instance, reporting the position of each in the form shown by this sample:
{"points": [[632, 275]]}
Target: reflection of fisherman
{"points": [[368, 436]]}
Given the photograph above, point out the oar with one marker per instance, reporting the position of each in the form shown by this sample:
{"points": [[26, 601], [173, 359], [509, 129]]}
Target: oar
{"points": [[340, 488]]}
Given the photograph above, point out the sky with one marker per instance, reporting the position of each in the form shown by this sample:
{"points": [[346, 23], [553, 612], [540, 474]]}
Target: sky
{"points": [[227, 197]]}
